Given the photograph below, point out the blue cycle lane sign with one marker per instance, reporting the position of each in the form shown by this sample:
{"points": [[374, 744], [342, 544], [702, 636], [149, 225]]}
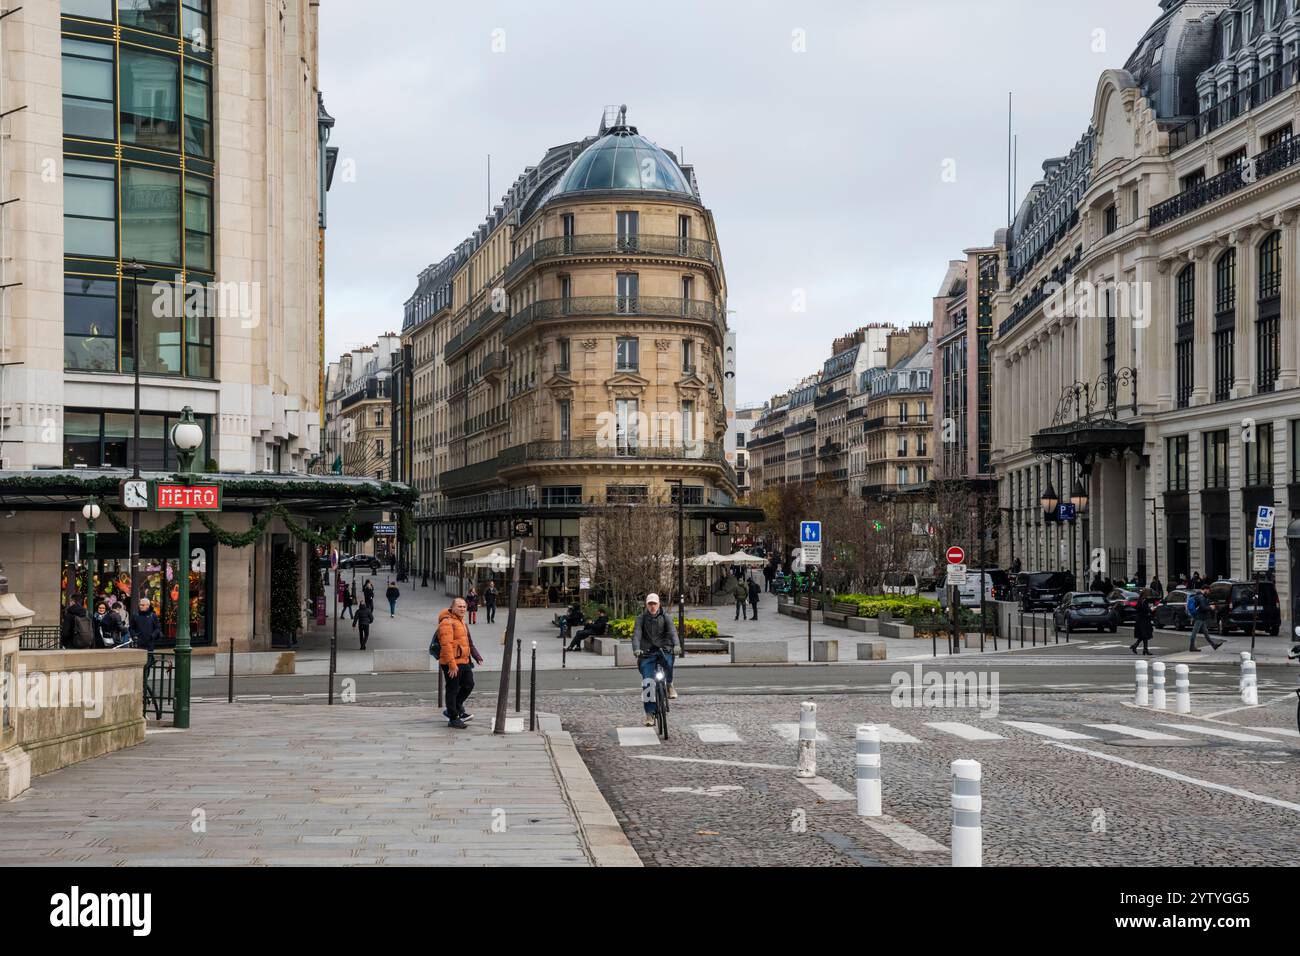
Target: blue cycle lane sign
{"points": [[1263, 539]]}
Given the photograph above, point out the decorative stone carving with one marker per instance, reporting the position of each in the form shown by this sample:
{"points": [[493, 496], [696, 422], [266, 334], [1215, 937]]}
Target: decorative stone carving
{"points": [[589, 344], [663, 345]]}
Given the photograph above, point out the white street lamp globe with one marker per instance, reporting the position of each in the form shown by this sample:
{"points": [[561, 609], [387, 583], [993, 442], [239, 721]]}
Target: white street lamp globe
{"points": [[90, 512], [187, 436]]}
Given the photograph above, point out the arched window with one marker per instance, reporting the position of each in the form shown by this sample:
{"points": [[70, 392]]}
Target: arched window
{"points": [[1225, 323], [1268, 323], [1185, 334]]}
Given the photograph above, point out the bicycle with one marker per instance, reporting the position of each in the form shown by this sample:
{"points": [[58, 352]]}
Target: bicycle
{"points": [[661, 695], [1295, 656]]}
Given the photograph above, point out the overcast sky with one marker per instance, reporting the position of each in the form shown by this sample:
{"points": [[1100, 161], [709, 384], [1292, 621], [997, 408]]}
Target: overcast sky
{"points": [[823, 168]]}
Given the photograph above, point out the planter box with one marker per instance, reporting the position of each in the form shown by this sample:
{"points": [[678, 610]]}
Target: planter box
{"points": [[604, 646], [261, 663], [396, 661], [826, 651], [866, 625], [871, 651], [760, 652], [794, 610], [623, 655], [895, 629]]}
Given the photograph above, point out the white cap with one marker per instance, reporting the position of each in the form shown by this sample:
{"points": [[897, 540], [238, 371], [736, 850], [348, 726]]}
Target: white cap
{"points": [[652, 598]]}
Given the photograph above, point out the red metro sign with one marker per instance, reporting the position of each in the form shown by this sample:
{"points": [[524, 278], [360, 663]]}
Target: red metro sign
{"points": [[173, 497]]}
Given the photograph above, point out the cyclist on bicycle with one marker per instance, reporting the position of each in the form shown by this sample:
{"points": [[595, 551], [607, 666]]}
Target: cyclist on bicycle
{"points": [[653, 638]]}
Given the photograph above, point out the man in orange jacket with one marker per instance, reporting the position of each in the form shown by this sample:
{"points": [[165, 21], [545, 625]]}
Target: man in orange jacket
{"points": [[456, 655]]}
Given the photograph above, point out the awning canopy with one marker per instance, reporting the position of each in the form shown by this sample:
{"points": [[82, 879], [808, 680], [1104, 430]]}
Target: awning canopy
{"points": [[560, 561], [67, 490], [477, 550]]}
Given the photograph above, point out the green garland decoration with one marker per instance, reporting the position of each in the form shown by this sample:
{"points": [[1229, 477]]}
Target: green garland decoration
{"points": [[236, 539]]}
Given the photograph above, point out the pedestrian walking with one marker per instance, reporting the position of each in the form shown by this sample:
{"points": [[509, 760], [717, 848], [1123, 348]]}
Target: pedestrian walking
{"points": [[753, 599], [1142, 627], [1196, 580], [769, 572], [490, 601], [740, 595], [146, 630], [362, 621], [78, 630], [346, 601], [1157, 588], [104, 625], [456, 656], [392, 594], [1199, 609], [471, 603], [392, 563], [368, 592], [1098, 583]]}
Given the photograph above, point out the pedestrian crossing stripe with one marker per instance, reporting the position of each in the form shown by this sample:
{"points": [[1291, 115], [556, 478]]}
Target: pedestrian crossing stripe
{"points": [[1137, 732], [1046, 730], [715, 734], [637, 737], [1220, 732], [892, 735], [965, 731]]}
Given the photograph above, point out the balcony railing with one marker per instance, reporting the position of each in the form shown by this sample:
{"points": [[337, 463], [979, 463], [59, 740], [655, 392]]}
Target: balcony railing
{"points": [[493, 364], [830, 398], [585, 449], [610, 305], [807, 425], [465, 337], [1285, 154], [1220, 114], [1058, 276], [596, 245]]}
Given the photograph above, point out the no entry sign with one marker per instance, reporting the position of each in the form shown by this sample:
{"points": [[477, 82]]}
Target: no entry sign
{"points": [[956, 555]]}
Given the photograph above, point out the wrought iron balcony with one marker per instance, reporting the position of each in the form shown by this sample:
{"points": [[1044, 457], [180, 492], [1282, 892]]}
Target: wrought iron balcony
{"points": [[1266, 88], [699, 310], [807, 425], [461, 341], [831, 397], [586, 449], [493, 365], [1264, 164], [677, 247]]}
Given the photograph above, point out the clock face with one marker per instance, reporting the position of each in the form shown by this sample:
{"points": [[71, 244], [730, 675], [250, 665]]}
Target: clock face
{"points": [[135, 495]]}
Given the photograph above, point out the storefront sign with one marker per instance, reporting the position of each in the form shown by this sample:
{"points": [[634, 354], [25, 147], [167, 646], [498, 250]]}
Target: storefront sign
{"points": [[385, 529], [173, 497]]}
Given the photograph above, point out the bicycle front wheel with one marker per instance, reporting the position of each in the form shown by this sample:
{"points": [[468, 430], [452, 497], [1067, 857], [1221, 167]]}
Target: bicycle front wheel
{"points": [[661, 710]]}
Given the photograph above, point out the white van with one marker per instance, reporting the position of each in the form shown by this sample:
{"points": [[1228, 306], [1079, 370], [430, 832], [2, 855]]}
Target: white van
{"points": [[901, 584]]}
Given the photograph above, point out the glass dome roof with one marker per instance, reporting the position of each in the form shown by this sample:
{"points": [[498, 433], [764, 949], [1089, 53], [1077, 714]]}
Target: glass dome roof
{"points": [[624, 159]]}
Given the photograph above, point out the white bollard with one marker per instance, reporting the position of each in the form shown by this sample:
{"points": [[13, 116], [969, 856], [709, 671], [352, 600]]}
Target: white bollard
{"points": [[868, 771], [807, 740], [1241, 680], [1182, 689], [1142, 698], [967, 834], [1158, 685], [1249, 684]]}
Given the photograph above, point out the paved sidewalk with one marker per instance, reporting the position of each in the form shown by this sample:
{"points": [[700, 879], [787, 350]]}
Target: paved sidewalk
{"points": [[266, 784], [417, 614]]}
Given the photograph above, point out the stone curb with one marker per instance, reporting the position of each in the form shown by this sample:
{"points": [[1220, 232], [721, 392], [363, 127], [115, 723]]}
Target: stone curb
{"points": [[603, 838]]}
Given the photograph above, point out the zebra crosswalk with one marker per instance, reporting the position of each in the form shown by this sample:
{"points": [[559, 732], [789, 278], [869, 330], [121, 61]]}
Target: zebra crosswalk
{"points": [[986, 731]]}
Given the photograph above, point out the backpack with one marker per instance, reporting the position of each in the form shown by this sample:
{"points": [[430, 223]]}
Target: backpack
{"points": [[83, 632], [1193, 604], [435, 648]]}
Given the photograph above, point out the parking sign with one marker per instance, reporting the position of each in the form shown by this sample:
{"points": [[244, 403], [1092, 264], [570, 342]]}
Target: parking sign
{"points": [[1264, 517]]}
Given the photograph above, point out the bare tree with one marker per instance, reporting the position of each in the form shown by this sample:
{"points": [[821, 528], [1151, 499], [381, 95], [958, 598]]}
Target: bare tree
{"points": [[634, 552]]}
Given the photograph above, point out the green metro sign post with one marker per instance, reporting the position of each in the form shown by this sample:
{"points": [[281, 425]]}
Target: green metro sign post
{"points": [[185, 497]]}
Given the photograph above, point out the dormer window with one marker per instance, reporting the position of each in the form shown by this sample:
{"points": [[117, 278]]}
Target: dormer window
{"points": [[1227, 37]]}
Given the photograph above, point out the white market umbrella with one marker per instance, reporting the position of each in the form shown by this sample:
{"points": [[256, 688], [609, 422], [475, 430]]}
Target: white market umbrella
{"points": [[748, 560], [707, 560], [560, 561], [496, 561]]}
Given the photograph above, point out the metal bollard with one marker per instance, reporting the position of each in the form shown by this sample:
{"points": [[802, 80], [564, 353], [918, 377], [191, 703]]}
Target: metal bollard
{"points": [[532, 691], [868, 771], [230, 683], [1182, 689], [1249, 684], [967, 832], [519, 674], [1142, 698], [1158, 685], [807, 740]]}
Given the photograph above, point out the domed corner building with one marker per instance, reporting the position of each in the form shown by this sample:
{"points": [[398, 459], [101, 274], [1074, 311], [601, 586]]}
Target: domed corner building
{"points": [[583, 340], [1158, 392]]}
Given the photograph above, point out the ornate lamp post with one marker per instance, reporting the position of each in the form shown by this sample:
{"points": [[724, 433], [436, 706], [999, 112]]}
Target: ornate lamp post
{"points": [[187, 436], [90, 511]]}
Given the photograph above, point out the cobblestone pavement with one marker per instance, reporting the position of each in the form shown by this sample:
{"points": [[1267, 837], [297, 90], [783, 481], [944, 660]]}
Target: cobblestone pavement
{"points": [[1110, 799]]}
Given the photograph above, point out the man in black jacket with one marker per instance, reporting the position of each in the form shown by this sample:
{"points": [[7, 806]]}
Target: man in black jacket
{"points": [[146, 629], [596, 628], [653, 637]]}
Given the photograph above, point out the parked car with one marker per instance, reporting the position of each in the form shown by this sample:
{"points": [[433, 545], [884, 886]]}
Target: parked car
{"points": [[1124, 603], [997, 586], [359, 561], [1171, 611], [1042, 589], [901, 583], [1085, 610], [1234, 607]]}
